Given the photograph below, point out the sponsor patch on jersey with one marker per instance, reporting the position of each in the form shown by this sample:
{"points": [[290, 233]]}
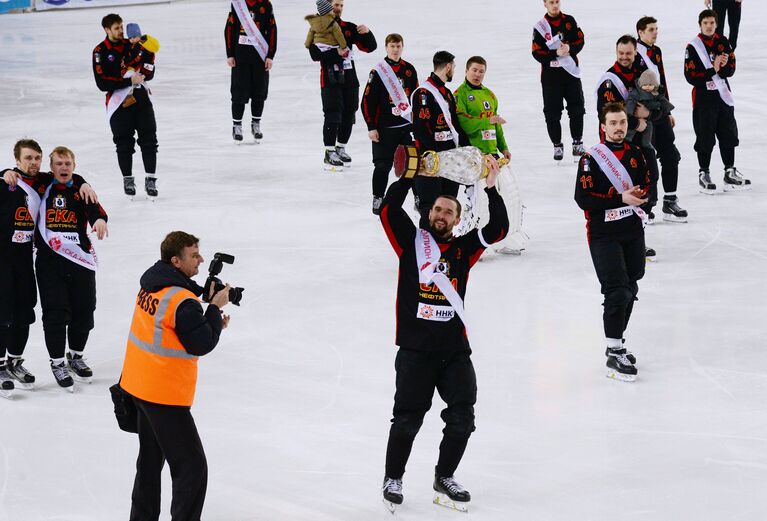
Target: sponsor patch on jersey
{"points": [[22, 236], [488, 135], [71, 237], [554, 63], [710, 85], [149, 66], [435, 313], [443, 136], [616, 214], [486, 104]]}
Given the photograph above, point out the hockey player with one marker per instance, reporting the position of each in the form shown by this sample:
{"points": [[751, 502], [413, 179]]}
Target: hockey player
{"points": [[612, 184], [340, 88], [649, 56], [251, 43], [436, 128], [387, 112], [129, 108], [20, 194], [433, 345], [65, 266], [557, 40], [709, 61]]}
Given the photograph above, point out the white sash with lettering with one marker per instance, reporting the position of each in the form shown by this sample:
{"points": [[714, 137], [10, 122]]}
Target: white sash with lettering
{"points": [[33, 206], [555, 42], [616, 173], [721, 85], [616, 81], [427, 254], [644, 53], [61, 243], [255, 38], [118, 96], [395, 90], [429, 86]]}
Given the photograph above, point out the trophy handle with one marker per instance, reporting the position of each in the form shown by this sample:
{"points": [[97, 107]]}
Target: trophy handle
{"points": [[429, 164]]}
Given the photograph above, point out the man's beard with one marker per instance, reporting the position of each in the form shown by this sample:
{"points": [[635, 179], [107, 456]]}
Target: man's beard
{"points": [[449, 76], [443, 230]]}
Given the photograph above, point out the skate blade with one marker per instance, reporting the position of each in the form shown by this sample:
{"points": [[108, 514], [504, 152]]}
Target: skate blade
{"points": [[81, 379], [669, 218], [615, 375], [70, 389], [510, 251], [332, 168], [391, 507], [736, 188], [130, 197], [24, 386], [651, 259], [707, 191], [151, 198], [444, 501], [6, 393]]}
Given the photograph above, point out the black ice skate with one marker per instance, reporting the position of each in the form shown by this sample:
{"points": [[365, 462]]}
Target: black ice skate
{"points": [[734, 180], [650, 217], [377, 202], [559, 152], [24, 379], [672, 212], [578, 150], [237, 131], [650, 255], [150, 187], [6, 383], [255, 128], [342, 155], [629, 354], [62, 376], [129, 186], [333, 163], [392, 493], [451, 494], [80, 370], [619, 367], [707, 186]]}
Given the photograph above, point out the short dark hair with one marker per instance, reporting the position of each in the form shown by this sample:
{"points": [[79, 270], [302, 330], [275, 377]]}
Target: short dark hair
{"points": [[708, 13], [476, 59], [25, 143], [174, 243], [643, 22], [394, 38], [452, 198], [441, 59], [111, 19], [626, 38], [609, 108]]}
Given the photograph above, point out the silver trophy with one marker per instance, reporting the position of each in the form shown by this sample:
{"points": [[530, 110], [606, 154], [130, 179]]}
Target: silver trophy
{"points": [[464, 165]]}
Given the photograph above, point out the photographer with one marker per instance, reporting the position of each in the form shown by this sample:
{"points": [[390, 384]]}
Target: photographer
{"points": [[169, 331]]}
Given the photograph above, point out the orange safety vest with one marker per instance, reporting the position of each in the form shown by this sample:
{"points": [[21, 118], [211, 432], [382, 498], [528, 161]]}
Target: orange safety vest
{"points": [[157, 368]]}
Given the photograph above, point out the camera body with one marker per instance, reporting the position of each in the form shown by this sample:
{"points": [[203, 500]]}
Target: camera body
{"points": [[216, 265]]}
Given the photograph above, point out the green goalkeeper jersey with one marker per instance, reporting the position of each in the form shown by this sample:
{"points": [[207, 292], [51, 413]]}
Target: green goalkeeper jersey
{"points": [[475, 106]]}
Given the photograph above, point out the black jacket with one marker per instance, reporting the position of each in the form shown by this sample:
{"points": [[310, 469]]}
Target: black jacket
{"points": [[197, 331]]}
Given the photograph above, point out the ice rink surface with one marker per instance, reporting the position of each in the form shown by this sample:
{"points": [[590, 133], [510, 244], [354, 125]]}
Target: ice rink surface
{"points": [[293, 407]]}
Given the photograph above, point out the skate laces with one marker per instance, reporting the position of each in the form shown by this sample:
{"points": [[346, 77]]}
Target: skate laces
{"points": [[393, 486], [78, 364], [16, 367], [620, 355], [451, 485], [60, 371]]}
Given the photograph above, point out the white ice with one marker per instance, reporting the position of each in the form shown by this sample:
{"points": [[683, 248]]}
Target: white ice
{"points": [[294, 405]]}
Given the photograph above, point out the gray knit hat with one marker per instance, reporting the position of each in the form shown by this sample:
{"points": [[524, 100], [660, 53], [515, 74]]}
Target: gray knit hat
{"points": [[648, 78], [323, 7]]}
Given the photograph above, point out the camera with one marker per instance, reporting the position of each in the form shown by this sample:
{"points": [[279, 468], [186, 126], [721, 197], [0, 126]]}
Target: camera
{"points": [[235, 294]]}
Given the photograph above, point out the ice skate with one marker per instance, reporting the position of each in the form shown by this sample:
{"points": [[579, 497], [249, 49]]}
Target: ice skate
{"points": [[237, 131], [578, 150], [62, 376], [333, 163], [672, 212], [650, 217], [629, 355], [619, 367], [342, 155], [255, 128], [377, 202], [559, 152], [650, 255], [392, 493], [734, 180], [451, 494], [6, 383], [24, 379], [129, 186], [150, 187], [80, 370], [706, 186]]}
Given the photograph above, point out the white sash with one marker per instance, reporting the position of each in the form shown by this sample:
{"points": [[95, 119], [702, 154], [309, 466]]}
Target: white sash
{"points": [[118, 96], [256, 39], [33, 199], [349, 57], [721, 85], [61, 243], [615, 172], [427, 255], [555, 42], [616, 81], [644, 53], [429, 86], [395, 90]]}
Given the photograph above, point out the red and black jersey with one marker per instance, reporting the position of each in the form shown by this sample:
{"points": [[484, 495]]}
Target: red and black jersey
{"points": [[607, 92], [704, 92], [67, 212], [419, 323], [236, 38], [572, 35], [17, 226], [606, 213], [655, 55], [430, 129], [377, 106], [364, 42], [109, 65]]}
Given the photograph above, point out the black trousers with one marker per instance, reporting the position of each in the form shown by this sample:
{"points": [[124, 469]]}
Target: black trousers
{"points": [[668, 154], [250, 82], [652, 191], [711, 123], [339, 105], [18, 300], [126, 122], [383, 155], [427, 189], [418, 374], [68, 298], [619, 263], [731, 8], [168, 433], [559, 86]]}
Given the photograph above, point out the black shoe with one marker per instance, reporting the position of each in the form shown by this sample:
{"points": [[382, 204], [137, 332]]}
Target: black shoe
{"points": [[341, 151], [619, 366], [559, 152], [629, 354], [150, 186], [672, 212], [734, 180], [129, 185], [62, 376], [237, 131], [649, 254], [704, 180], [79, 368], [6, 381], [332, 161], [451, 488], [17, 370], [255, 128], [377, 202], [578, 149], [392, 490]]}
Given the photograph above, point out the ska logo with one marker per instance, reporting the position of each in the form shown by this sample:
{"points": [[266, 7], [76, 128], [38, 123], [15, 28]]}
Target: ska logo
{"points": [[441, 119], [147, 302], [59, 202], [486, 104]]}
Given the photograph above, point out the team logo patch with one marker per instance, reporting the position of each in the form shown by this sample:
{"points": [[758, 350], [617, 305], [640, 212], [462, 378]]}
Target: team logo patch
{"points": [[608, 84], [633, 163], [149, 66], [97, 57], [55, 243], [471, 97], [408, 73], [59, 202], [111, 57], [423, 99], [486, 104]]}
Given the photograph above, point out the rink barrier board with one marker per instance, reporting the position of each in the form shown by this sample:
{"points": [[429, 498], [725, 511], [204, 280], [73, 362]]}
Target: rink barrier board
{"points": [[47, 5], [10, 6]]}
